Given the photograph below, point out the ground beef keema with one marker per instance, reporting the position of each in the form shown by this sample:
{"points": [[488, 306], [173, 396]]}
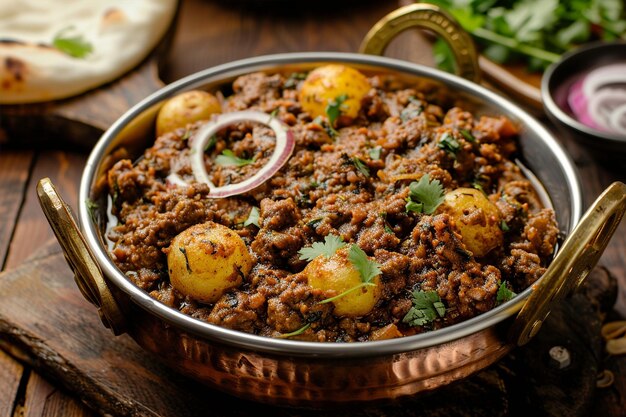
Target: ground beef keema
{"points": [[352, 182]]}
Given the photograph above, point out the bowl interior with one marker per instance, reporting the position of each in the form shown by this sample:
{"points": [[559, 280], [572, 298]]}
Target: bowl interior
{"points": [[134, 131]]}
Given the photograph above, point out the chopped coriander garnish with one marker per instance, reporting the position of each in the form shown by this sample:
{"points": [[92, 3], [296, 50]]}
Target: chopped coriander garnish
{"points": [[293, 79], [424, 196], [411, 112], [467, 135], [274, 113], [427, 307], [479, 187], [449, 143], [367, 268], [333, 109], [314, 222], [360, 165], [211, 143], [186, 135], [388, 228], [296, 332], [184, 252], [331, 244], [504, 227], [504, 294], [374, 153], [253, 218], [74, 46], [228, 158]]}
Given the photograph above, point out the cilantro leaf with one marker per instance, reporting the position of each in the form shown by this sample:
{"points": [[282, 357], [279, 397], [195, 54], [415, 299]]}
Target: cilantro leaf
{"points": [[228, 158], [74, 46], [211, 143], [253, 218], [424, 196], [449, 143], [333, 109], [328, 248], [427, 307], [504, 226], [367, 268], [360, 165], [374, 153], [467, 135], [294, 79], [504, 294]]}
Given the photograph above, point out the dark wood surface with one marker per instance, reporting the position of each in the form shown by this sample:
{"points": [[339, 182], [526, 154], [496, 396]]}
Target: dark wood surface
{"points": [[210, 33]]}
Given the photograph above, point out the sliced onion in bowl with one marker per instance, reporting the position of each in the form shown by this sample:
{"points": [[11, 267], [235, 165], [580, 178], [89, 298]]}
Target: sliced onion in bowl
{"points": [[602, 77], [603, 103], [285, 144], [618, 119]]}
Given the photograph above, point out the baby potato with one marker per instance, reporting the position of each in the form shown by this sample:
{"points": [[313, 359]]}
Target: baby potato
{"points": [[325, 84], [477, 219], [338, 274], [186, 108], [206, 260]]}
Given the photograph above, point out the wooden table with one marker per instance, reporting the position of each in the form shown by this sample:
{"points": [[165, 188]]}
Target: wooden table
{"points": [[211, 33]]}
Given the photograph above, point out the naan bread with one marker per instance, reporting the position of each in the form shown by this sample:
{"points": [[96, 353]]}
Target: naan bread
{"points": [[121, 33]]}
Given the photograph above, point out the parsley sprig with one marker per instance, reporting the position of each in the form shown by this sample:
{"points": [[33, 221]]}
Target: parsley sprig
{"points": [[424, 195], [228, 158], [74, 46], [427, 307]]}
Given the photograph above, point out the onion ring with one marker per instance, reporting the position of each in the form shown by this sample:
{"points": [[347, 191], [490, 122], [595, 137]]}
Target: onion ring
{"points": [[285, 144], [609, 74]]}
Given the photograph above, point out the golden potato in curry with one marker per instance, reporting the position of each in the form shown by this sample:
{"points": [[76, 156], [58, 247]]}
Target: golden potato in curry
{"points": [[337, 85], [186, 108], [477, 219], [206, 260], [338, 274]]}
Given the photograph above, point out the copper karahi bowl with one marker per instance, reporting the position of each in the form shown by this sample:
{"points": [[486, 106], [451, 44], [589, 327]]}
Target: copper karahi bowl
{"points": [[296, 373]]}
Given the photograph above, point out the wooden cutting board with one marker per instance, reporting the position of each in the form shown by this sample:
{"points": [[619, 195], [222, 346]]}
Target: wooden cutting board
{"points": [[44, 321]]}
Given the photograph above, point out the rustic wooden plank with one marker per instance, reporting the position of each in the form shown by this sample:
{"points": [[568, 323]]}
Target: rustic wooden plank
{"points": [[10, 376], [14, 171], [37, 392], [32, 230], [256, 28], [43, 399]]}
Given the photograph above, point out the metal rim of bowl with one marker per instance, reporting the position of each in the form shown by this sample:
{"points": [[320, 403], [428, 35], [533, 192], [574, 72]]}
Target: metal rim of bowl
{"points": [[301, 348], [556, 111]]}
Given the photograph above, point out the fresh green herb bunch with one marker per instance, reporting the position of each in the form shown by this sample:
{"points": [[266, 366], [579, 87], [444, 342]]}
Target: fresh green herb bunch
{"points": [[532, 31]]}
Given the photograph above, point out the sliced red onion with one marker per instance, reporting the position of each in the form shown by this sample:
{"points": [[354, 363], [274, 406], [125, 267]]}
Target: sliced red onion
{"points": [[603, 76], [595, 98], [618, 119], [285, 144], [602, 105], [577, 101]]}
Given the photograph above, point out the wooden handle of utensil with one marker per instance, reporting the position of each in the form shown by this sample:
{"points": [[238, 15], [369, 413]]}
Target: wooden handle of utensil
{"points": [[577, 257], [425, 16], [88, 275]]}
